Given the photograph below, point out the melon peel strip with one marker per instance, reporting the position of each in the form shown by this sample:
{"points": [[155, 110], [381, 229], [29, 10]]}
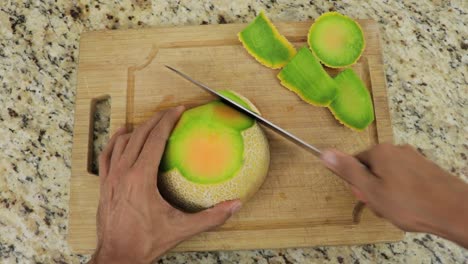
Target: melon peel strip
{"points": [[277, 36], [292, 88], [305, 54], [335, 115]]}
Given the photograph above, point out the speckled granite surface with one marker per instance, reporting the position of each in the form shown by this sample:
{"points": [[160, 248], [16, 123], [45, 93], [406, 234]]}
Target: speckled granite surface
{"points": [[425, 47]]}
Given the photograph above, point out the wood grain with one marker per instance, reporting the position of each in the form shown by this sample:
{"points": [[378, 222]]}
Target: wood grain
{"points": [[301, 203]]}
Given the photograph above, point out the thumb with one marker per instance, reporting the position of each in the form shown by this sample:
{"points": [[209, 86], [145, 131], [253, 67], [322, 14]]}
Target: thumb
{"points": [[349, 169], [213, 217]]}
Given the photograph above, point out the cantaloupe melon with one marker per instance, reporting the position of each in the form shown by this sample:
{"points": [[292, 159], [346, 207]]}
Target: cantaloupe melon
{"points": [[214, 154]]}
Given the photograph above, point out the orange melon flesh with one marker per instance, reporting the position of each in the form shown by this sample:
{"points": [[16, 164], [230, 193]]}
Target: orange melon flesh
{"points": [[207, 153]]}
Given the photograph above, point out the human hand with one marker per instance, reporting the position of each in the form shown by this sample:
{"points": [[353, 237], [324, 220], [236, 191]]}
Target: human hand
{"points": [[134, 223], [404, 187]]}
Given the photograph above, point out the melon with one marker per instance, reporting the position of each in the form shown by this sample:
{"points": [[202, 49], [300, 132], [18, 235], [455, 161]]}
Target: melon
{"points": [[214, 154], [336, 40], [263, 41]]}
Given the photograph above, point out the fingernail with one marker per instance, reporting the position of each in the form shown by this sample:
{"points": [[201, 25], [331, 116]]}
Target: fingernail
{"points": [[236, 207], [329, 158]]}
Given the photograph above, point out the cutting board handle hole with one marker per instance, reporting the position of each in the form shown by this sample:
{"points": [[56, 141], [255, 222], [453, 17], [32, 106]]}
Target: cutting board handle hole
{"points": [[99, 131]]}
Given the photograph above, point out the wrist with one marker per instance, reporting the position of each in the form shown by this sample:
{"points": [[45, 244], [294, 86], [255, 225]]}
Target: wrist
{"points": [[101, 257]]}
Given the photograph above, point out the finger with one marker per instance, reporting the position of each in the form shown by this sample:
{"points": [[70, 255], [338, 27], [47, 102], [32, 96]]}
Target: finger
{"points": [[139, 137], [153, 148], [119, 148], [358, 194], [349, 169], [374, 154], [365, 158], [210, 218], [105, 156]]}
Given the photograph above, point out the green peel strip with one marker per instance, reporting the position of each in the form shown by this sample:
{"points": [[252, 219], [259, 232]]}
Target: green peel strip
{"points": [[305, 76], [353, 104], [263, 41]]}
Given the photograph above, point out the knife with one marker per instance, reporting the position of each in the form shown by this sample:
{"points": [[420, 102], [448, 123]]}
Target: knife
{"points": [[311, 148]]}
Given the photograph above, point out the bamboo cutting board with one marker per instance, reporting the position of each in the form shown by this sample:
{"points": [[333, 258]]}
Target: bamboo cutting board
{"points": [[301, 203]]}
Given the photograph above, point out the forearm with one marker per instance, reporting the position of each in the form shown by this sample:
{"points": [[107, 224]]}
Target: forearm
{"points": [[458, 232], [454, 225]]}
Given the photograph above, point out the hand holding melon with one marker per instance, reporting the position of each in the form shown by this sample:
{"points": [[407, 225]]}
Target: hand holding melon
{"points": [[134, 223]]}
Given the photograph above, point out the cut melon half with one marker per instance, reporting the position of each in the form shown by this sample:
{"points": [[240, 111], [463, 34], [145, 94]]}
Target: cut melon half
{"points": [[262, 40], [215, 153], [336, 40], [353, 104]]}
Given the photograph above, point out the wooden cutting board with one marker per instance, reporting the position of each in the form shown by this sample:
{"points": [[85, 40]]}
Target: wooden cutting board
{"points": [[301, 203]]}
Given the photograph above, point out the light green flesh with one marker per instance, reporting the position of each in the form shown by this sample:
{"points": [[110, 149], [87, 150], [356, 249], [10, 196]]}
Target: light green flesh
{"points": [[353, 105], [235, 98], [238, 120], [306, 76], [204, 119], [348, 34], [260, 39]]}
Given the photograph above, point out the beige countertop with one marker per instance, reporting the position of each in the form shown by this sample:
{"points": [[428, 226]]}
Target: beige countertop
{"points": [[425, 45]]}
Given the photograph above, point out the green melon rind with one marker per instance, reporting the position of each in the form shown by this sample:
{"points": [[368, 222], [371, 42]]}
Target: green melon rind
{"points": [[235, 97], [357, 48], [353, 105], [305, 76], [262, 40], [241, 99]]}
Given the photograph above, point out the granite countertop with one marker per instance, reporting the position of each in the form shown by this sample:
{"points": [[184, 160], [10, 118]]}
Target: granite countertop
{"points": [[425, 49]]}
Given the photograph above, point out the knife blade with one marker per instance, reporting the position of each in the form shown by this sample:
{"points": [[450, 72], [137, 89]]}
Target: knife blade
{"points": [[283, 132]]}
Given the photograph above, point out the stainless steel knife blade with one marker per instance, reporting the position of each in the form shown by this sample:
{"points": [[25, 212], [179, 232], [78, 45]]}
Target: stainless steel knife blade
{"points": [[288, 135]]}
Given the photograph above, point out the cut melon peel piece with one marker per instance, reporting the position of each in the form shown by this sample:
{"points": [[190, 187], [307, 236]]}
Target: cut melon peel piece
{"points": [[213, 155], [353, 104], [336, 40], [305, 76], [263, 41]]}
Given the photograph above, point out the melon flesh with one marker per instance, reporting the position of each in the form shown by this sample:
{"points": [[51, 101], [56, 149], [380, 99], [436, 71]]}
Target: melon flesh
{"points": [[215, 153]]}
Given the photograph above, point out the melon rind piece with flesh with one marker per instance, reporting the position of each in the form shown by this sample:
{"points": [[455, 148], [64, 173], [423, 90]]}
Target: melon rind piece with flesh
{"points": [[262, 40], [305, 76], [353, 104], [336, 40]]}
